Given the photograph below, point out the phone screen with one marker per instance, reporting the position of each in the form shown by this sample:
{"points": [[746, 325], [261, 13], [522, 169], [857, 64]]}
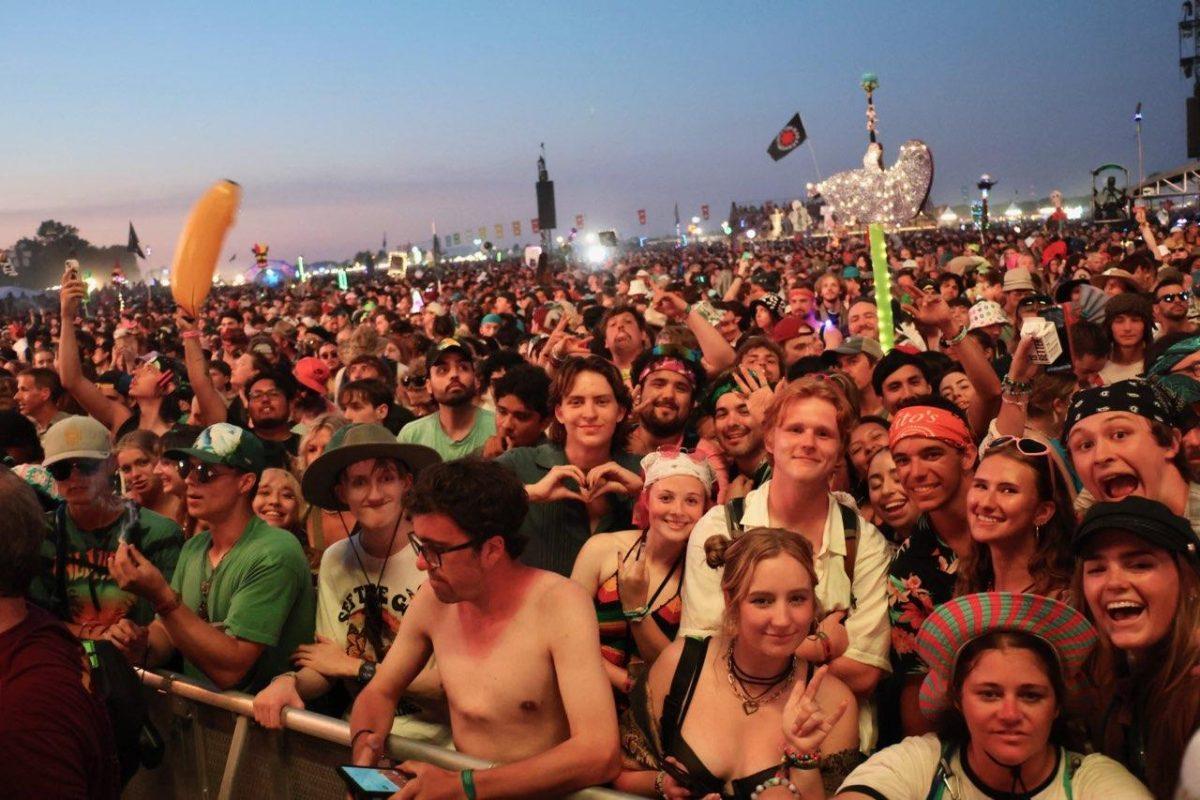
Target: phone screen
{"points": [[372, 782]]}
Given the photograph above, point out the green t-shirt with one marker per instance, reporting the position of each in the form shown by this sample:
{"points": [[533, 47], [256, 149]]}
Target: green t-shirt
{"points": [[261, 592], [93, 595], [428, 431]]}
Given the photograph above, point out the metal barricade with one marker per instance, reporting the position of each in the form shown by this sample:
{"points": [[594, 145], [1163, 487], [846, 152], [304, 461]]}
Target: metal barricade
{"points": [[215, 751]]}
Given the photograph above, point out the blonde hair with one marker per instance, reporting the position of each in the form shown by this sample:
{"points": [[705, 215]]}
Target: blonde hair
{"points": [[293, 484], [332, 422], [812, 387], [741, 555]]}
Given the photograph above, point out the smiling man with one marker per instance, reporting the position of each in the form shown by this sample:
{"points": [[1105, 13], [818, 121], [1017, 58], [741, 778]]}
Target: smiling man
{"points": [[900, 376], [668, 382], [806, 427], [1123, 443], [935, 458]]}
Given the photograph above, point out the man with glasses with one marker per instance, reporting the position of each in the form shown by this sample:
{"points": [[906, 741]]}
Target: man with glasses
{"points": [[367, 580], [459, 427], [517, 649], [85, 531], [241, 599], [1171, 305], [269, 396]]}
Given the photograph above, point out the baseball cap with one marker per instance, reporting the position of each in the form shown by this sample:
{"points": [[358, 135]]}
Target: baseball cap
{"points": [[854, 345], [313, 373], [851, 273], [228, 445], [76, 437], [447, 345], [1147, 519], [789, 328]]}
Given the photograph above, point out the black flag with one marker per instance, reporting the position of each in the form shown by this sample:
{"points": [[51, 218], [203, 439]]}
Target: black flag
{"points": [[788, 139], [134, 245]]}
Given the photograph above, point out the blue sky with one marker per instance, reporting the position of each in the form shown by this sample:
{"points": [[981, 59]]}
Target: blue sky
{"points": [[345, 120]]}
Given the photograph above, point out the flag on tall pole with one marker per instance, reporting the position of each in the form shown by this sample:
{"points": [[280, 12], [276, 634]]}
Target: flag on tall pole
{"points": [[383, 246], [437, 247], [788, 139], [134, 245]]}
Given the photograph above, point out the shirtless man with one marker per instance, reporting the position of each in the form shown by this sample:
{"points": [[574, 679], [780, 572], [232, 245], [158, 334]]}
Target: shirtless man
{"points": [[518, 650]]}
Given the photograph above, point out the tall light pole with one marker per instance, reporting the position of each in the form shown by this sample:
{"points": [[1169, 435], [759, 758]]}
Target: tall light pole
{"points": [[1137, 121], [985, 184]]}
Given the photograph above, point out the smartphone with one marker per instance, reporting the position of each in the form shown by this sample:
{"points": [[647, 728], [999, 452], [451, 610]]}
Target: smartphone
{"points": [[1055, 315], [371, 782], [72, 268]]}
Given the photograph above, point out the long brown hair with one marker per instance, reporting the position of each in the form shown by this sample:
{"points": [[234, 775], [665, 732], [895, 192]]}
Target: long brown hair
{"points": [[740, 556], [1165, 678], [1052, 563]]}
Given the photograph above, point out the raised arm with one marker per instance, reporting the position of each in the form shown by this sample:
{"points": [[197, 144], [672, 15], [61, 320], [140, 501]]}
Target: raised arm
{"points": [[212, 407], [591, 754], [110, 413]]}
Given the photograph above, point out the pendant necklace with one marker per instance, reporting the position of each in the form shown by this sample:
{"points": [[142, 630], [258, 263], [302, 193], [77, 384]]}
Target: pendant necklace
{"points": [[738, 678]]}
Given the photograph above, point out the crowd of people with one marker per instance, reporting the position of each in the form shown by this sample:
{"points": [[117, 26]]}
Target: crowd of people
{"points": [[688, 524]]}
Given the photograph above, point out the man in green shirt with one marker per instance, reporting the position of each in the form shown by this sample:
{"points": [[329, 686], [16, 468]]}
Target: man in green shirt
{"points": [[459, 427], [83, 533], [241, 600]]}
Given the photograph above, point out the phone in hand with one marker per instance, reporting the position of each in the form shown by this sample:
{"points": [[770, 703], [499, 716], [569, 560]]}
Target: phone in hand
{"points": [[366, 783], [1054, 314]]}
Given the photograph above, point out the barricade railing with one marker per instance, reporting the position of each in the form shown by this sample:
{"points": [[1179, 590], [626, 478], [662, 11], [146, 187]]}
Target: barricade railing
{"points": [[215, 751]]}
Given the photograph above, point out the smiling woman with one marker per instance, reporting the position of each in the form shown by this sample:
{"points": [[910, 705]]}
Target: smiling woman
{"points": [[1138, 572]]}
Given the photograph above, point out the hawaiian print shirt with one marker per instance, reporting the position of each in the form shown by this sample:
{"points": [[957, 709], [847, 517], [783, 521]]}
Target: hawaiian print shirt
{"points": [[921, 577]]}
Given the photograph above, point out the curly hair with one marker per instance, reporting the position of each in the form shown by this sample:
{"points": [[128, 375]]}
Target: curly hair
{"points": [[484, 499]]}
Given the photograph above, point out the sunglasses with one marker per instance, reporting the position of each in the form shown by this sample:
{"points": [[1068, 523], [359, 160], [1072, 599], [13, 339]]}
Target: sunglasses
{"points": [[1025, 445], [414, 381], [205, 473], [1182, 297], [433, 553], [61, 470]]}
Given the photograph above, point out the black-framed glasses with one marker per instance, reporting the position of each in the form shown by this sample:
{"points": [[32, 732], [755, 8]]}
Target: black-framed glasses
{"points": [[61, 470], [433, 553], [1024, 444], [205, 473], [1172, 297], [414, 381]]}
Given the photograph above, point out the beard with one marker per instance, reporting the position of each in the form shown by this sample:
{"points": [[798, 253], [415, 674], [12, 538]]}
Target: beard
{"points": [[663, 428], [458, 396]]}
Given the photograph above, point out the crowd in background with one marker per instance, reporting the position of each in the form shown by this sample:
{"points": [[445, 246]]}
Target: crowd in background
{"points": [[688, 523]]}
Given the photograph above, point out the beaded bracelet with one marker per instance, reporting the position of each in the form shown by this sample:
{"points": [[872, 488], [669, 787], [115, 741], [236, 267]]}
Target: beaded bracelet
{"points": [[659, 784], [776, 781], [1009, 386], [802, 761]]}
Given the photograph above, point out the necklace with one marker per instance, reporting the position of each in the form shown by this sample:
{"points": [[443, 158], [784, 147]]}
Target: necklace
{"points": [[738, 678]]}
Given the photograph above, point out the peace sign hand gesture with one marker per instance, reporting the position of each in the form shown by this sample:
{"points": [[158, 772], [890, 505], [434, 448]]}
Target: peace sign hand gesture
{"points": [[805, 723]]}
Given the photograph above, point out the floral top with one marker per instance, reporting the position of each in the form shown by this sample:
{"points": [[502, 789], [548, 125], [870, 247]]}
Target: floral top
{"points": [[921, 577]]}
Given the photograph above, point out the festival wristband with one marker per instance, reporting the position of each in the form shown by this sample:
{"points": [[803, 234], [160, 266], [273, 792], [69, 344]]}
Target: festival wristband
{"points": [[953, 340], [826, 647], [468, 783], [793, 759], [636, 614], [190, 335]]}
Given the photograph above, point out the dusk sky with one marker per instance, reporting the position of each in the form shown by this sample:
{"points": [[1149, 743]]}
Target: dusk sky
{"points": [[345, 120]]}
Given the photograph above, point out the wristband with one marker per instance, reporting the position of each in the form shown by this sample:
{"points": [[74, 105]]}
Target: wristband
{"points": [[468, 783], [943, 342], [190, 335], [802, 761], [636, 615], [163, 609], [659, 780]]}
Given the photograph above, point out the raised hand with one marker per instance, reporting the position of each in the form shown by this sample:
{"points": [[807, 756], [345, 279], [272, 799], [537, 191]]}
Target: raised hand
{"points": [[612, 477], [552, 486], [633, 583], [805, 723], [269, 703]]}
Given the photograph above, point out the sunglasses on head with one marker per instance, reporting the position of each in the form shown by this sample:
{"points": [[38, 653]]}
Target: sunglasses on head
{"points": [[205, 473], [414, 381], [61, 470], [1173, 296], [1025, 445]]}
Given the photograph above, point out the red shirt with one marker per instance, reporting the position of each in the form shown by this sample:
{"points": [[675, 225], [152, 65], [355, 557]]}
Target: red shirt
{"points": [[55, 737]]}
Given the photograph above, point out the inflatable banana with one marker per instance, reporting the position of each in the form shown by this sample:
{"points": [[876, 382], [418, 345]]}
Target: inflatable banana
{"points": [[200, 244]]}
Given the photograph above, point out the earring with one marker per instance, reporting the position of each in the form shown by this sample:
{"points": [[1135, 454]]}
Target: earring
{"points": [[1037, 533]]}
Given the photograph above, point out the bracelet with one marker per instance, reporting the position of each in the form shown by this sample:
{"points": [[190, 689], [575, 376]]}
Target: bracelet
{"points": [[803, 761], [1021, 401], [659, 780], [163, 609], [943, 342], [776, 781], [1009, 386], [190, 335], [636, 615], [826, 647], [468, 783]]}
